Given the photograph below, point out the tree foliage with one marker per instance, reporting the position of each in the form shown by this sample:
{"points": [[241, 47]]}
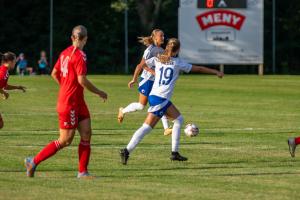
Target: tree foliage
{"points": [[25, 28]]}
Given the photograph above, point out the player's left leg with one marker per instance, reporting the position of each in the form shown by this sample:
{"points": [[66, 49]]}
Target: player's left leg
{"points": [[84, 148], [1, 122], [137, 137], [173, 113], [293, 142]]}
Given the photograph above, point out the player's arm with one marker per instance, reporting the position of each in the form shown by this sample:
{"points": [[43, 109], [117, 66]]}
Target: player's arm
{"points": [[147, 68], [143, 65], [56, 75], [13, 87], [84, 82], [4, 94], [136, 73], [205, 70]]}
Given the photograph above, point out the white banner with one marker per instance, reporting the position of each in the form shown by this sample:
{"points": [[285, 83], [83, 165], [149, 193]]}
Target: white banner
{"points": [[221, 31]]}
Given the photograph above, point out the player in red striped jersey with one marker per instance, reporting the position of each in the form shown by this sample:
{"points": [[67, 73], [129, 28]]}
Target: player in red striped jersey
{"points": [[70, 73], [8, 62]]}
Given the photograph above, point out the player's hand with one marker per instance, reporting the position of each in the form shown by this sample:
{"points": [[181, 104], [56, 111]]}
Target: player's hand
{"points": [[131, 83], [5, 95], [220, 74], [103, 95], [22, 88], [152, 72]]}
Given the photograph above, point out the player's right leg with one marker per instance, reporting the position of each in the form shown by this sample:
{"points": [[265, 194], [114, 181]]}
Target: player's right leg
{"points": [[137, 137], [173, 113], [145, 87], [65, 139], [133, 107], [1, 122], [68, 122], [167, 128], [293, 142]]}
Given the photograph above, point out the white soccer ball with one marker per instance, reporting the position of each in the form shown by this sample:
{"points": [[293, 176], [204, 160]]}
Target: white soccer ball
{"points": [[191, 130]]}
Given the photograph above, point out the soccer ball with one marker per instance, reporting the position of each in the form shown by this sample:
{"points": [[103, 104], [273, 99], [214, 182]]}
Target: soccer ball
{"points": [[191, 130]]}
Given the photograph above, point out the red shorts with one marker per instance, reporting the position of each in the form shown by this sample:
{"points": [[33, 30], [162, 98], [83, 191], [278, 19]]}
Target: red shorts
{"points": [[71, 116]]}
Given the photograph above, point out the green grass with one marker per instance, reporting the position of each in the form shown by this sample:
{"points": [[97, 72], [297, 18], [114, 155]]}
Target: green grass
{"points": [[241, 152]]}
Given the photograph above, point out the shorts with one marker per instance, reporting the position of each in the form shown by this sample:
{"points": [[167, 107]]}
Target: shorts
{"points": [[71, 116], [158, 105], [145, 86]]}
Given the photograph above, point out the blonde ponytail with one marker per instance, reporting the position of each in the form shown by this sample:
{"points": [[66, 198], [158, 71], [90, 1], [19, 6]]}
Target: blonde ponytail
{"points": [[172, 47], [149, 40]]}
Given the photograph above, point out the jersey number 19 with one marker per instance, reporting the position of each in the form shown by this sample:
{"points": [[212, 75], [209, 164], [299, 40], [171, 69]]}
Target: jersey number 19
{"points": [[166, 75]]}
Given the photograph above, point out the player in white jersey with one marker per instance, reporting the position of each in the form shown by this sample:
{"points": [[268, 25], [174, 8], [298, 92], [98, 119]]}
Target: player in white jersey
{"points": [[153, 44], [167, 70]]}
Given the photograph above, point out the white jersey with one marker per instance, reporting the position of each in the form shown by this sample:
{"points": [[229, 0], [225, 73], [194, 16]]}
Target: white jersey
{"points": [[166, 75], [150, 52]]}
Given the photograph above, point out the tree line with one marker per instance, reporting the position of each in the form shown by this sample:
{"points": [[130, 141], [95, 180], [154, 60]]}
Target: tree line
{"points": [[25, 28]]}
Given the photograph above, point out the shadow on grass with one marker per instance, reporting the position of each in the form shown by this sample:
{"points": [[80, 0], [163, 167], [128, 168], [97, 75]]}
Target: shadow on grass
{"points": [[282, 161], [178, 168], [38, 170], [199, 175], [260, 174]]}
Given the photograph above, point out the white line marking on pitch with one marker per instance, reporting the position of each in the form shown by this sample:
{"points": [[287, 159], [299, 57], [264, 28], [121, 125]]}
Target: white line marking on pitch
{"points": [[122, 130], [157, 147]]}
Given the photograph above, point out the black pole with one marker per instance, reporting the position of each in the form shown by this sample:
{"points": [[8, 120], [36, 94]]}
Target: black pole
{"points": [[274, 38], [126, 35], [51, 34]]}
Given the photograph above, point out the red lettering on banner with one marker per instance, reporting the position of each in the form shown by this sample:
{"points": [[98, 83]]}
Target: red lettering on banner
{"points": [[221, 18]]}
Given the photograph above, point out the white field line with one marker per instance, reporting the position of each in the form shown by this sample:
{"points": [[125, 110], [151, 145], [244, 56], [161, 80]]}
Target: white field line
{"points": [[184, 146], [50, 114], [294, 129]]}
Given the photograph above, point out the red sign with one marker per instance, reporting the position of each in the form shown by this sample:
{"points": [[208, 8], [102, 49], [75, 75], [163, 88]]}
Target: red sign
{"points": [[221, 18]]}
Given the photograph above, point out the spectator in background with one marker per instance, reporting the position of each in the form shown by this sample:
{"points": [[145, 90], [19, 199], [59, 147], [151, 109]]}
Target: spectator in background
{"points": [[21, 64], [43, 63]]}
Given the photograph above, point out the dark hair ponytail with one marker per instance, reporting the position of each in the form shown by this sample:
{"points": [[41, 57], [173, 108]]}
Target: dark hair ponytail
{"points": [[6, 57]]}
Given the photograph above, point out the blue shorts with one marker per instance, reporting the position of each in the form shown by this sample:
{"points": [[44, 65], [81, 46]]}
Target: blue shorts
{"points": [[145, 87], [158, 105]]}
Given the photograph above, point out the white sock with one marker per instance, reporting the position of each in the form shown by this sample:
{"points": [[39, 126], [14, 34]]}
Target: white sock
{"points": [[138, 136], [164, 121], [176, 133], [133, 107]]}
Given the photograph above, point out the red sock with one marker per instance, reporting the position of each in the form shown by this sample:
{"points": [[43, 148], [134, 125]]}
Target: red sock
{"points": [[84, 151], [297, 140], [47, 152]]}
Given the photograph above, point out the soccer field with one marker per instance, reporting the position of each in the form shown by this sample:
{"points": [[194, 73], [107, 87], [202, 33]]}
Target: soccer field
{"points": [[241, 152]]}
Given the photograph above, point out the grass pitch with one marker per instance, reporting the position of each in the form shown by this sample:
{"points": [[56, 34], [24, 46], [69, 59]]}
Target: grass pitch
{"points": [[241, 152]]}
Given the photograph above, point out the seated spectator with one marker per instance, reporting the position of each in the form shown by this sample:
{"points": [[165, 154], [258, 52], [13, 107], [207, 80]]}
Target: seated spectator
{"points": [[43, 63], [21, 64]]}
